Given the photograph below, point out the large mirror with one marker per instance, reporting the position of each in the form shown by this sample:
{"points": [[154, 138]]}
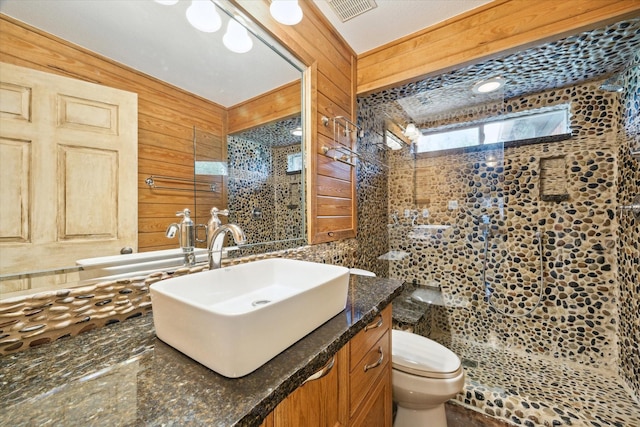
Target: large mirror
{"points": [[205, 144]]}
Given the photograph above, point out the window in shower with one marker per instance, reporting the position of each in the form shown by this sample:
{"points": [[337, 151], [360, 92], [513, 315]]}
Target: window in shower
{"points": [[526, 127]]}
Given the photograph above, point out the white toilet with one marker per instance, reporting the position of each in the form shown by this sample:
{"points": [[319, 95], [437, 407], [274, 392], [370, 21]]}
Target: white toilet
{"points": [[425, 375]]}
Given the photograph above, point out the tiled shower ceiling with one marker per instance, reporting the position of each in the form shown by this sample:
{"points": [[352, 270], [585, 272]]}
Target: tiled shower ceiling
{"points": [[275, 134], [586, 56]]}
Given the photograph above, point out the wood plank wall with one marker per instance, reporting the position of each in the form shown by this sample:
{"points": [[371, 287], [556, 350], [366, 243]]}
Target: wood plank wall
{"points": [[493, 29], [331, 201], [279, 104], [166, 120]]}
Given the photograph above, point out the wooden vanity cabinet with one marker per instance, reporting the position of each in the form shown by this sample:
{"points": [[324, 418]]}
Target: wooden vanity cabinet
{"points": [[356, 391], [370, 400], [318, 402]]}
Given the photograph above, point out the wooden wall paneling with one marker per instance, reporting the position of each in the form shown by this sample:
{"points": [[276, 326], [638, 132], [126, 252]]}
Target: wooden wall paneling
{"points": [[308, 40], [329, 167], [332, 74], [166, 118], [329, 186], [335, 181], [339, 95], [310, 115], [495, 28], [334, 207], [167, 155], [278, 104], [29, 47]]}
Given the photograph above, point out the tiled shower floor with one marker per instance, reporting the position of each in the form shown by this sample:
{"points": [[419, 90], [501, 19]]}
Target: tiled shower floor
{"points": [[534, 391]]}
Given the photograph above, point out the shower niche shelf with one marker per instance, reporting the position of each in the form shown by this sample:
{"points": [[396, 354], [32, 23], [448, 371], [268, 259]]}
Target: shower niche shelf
{"points": [[553, 179]]}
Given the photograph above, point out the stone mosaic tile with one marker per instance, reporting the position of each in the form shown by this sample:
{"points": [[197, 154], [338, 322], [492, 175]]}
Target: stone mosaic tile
{"points": [[585, 56], [558, 366], [258, 181], [535, 391], [628, 189], [567, 280], [525, 389]]}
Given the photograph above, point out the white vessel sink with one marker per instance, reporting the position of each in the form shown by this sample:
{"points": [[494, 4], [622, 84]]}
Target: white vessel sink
{"points": [[235, 319]]}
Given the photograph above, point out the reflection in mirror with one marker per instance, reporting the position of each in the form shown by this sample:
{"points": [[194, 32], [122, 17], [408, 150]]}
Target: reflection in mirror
{"points": [[187, 83], [265, 184]]}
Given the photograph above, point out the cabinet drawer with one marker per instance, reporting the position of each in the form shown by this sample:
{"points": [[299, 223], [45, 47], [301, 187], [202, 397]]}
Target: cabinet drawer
{"points": [[366, 338], [363, 375]]}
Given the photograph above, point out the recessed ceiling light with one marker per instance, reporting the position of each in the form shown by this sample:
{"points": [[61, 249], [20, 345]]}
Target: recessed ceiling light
{"points": [[489, 85]]}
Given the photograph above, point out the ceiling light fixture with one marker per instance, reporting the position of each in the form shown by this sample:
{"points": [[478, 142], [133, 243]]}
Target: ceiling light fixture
{"points": [[287, 12], [412, 132], [203, 16], [237, 39], [488, 85]]}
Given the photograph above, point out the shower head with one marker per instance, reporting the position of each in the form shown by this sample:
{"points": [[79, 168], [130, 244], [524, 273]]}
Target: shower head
{"points": [[612, 84]]}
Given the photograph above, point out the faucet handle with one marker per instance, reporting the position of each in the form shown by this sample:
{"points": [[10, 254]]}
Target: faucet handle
{"points": [[215, 212], [186, 213]]}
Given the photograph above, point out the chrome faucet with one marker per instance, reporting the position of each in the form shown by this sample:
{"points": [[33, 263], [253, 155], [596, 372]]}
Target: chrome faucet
{"points": [[217, 240], [214, 223], [186, 235]]}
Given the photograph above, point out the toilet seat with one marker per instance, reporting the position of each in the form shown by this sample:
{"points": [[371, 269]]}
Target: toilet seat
{"points": [[420, 356]]}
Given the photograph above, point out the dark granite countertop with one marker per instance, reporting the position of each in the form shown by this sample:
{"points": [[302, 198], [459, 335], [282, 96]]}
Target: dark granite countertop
{"points": [[123, 375]]}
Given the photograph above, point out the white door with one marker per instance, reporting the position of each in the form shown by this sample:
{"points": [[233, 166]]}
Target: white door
{"points": [[68, 170]]}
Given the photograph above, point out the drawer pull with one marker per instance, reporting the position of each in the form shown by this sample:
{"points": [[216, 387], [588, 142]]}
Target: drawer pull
{"points": [[322, 372], [376, 325], [377, 363]]}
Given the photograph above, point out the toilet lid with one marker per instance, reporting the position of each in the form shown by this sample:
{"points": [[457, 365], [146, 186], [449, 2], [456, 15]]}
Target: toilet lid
{"points": [[421, 356]]}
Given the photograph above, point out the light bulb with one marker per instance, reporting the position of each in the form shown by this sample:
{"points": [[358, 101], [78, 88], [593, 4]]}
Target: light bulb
{"points": [[237, 39], [203, 16], [412, 132], [287, 12], [167, 2], [489, 85]]}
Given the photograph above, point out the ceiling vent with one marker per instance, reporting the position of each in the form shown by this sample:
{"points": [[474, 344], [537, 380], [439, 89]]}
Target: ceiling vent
{"points": [[347, 9]]}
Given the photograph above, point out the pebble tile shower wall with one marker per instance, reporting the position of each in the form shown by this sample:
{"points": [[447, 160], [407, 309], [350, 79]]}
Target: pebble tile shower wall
{"points": [[574, 360]]}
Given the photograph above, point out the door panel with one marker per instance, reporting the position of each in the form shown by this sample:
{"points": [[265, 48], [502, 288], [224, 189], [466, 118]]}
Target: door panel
{"points": [[69, 170]]}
